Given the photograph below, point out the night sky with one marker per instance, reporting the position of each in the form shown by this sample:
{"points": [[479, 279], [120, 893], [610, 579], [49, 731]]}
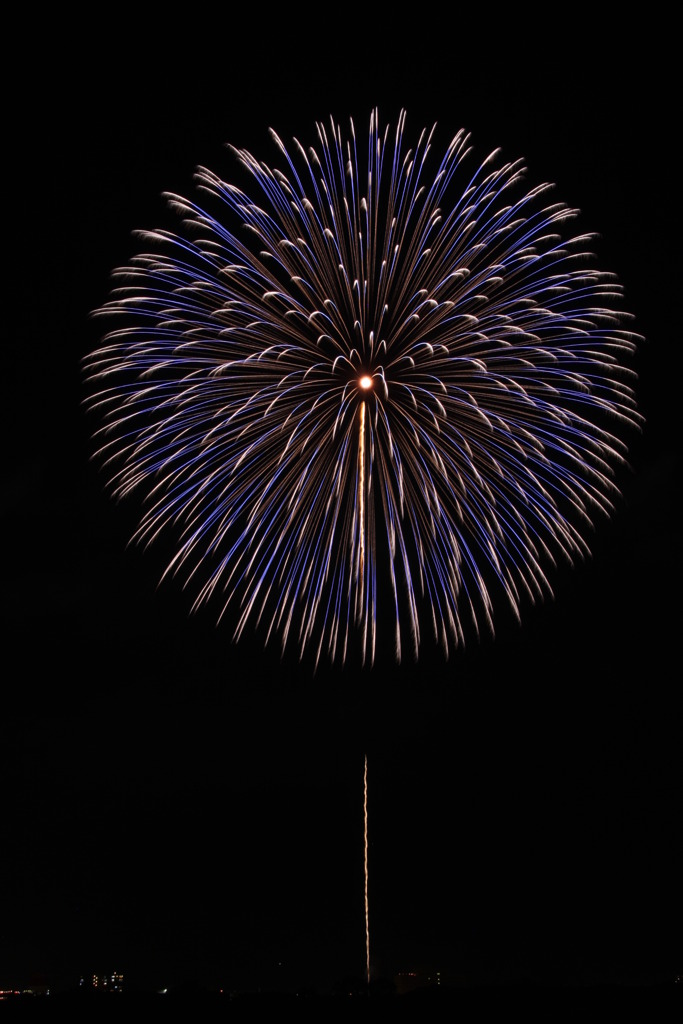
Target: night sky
{"points": [[186, 810]]}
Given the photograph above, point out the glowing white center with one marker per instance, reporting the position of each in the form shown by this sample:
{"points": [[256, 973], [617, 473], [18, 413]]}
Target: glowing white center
{"points": [[365, 383]]}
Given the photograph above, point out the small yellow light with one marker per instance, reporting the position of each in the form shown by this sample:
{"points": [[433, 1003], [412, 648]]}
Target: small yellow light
{"points": [[365, 382]]}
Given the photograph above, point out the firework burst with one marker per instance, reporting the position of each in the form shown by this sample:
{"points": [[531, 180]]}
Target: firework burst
{"points": [[368, 385]]}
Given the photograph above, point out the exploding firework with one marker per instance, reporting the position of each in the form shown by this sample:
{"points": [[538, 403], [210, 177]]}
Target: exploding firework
{"points": [[368, 386]]}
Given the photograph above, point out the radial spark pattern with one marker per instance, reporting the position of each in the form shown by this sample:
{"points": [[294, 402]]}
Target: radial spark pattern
{"points": [[369, 385]]}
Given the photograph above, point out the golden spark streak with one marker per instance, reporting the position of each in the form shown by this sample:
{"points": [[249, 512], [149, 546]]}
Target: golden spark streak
{"points": [[367, 917], [361, 504]]}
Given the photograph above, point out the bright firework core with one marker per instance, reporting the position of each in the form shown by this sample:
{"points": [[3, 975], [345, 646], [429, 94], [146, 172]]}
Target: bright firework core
{"points": [[365, 382]]}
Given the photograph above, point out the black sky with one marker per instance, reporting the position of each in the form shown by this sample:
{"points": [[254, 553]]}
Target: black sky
{"points": [[177, 807]]}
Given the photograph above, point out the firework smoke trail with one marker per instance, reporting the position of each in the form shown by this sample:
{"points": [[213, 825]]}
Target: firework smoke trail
{"points": [[232, 391], [367, 908]]}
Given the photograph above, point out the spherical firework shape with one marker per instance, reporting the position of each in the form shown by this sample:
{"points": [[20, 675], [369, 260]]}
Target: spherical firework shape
{"points": [[381, 386]]}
